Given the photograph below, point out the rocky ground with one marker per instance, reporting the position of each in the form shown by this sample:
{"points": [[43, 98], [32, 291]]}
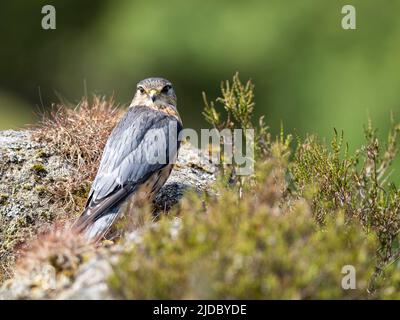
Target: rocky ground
{"points": [[27, 169]]}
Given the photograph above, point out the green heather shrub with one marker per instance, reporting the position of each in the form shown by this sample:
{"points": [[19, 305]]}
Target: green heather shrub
{"points": [[253, 248], [357, 184]]}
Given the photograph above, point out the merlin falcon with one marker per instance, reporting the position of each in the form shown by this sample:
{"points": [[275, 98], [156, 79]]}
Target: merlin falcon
{"points": [[137, 159]]}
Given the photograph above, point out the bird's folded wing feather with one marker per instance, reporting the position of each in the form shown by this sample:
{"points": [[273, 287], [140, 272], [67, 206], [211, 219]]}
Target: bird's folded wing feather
{"points": [[138, 147]]}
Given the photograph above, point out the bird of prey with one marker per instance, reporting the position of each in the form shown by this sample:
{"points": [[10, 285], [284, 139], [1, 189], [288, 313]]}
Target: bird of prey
{"points": [[137, 159]]}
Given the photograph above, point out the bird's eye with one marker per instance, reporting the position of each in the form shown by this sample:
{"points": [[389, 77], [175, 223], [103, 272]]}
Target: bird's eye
{"points": [[141, 89], [166, 88]]}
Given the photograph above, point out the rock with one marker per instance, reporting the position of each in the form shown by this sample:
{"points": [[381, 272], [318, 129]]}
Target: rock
{"points": [[90, 281], [27, 168]]}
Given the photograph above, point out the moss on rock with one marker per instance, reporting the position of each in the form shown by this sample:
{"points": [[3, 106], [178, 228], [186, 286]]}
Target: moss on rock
{"points": [[39, 169]]}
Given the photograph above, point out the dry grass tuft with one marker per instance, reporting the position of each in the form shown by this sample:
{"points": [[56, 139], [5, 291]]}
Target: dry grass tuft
{"points": [[60, 249], [78, 134]]}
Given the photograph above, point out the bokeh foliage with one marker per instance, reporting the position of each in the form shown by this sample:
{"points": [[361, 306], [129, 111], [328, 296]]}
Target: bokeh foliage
{"points": [[308, 71]]}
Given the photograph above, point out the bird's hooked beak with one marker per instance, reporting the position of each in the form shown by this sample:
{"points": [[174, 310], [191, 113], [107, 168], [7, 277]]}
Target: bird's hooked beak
{"points": [[153, 94]]}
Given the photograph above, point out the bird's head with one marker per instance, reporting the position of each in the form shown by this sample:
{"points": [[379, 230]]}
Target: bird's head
{"points": [[154, 92]]}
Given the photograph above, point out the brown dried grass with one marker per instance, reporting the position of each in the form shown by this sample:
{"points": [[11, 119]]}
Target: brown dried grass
{"points": [[59, 248], [78, 134]]}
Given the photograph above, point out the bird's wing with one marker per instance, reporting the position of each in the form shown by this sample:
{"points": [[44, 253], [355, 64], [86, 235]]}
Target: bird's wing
{"points": [[138, 147]]}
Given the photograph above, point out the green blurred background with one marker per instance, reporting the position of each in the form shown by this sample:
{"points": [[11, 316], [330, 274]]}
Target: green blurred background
{"points": [[309, 73]]}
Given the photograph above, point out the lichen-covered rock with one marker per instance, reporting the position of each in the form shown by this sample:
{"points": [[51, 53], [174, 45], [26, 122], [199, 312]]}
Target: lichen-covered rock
{"points": [[27, 169]]}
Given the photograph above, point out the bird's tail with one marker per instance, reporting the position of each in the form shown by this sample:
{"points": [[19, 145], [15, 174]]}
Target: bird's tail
{"points": [[97, 229]]}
